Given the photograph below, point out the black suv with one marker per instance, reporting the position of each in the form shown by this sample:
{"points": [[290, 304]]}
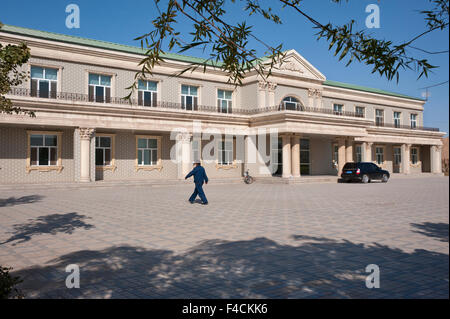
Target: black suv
{"points": [[364, 172]]}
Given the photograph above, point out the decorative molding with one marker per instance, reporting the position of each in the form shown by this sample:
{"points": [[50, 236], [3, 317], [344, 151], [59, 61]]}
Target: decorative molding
{"points": [[262, 85], [290, 66], [86, 133], [271, 86]]}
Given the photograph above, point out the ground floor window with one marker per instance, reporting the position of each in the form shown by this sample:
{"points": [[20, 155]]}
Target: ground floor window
{"points": [[379, 154], [104, 150], [397, 156], [276, 155], [225, 152], [196, 148], [414, 155], [44, 150], [358, 153], [148, 151], [305, 159], [335, 154]]}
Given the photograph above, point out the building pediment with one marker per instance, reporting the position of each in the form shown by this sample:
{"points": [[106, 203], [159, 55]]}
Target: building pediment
{"points": [[296, 65]]}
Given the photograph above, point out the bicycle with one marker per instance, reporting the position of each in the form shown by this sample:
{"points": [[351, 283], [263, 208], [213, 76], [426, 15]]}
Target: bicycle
{"points": [[247, 178]]}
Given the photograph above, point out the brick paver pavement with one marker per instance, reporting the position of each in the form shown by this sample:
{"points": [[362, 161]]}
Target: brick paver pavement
{"points": [[259, 240]]}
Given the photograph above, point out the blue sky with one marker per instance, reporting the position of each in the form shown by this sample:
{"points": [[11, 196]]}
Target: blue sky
{"points": [[122, 21]]}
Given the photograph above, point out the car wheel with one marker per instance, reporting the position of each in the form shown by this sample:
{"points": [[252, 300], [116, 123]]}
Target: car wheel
{"points": [[365, 179], [385, 178]]}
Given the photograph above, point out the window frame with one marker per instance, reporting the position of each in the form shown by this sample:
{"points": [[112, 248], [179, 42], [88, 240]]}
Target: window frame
{"points": [[153, 93], [111, 86], [112, 166], [360, 153], [51, 94], [397, 155], [184, 97], [45, 168], [377, 123], [363, 113], [229, 101], [341, 107], [397, 119], [382, 154], [158, 166], [298, 104], [411, 156], [232, 163], [411, 121]]}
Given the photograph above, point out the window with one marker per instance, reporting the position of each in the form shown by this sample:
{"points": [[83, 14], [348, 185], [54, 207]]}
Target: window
{"points": [[224, 101], [360, 111], [44, 149], [358, 152], [44, 82], [379, 154], [414, 155], [103, 150], [291, 103], [276, 155], [305, 163], [335, 153], [99, 88], [413, 120], [189, 97], [147, 151], [226, 152], [397, 156], [379, 117], [147, 93], [338, 109], [196, 150], [397, 116]]}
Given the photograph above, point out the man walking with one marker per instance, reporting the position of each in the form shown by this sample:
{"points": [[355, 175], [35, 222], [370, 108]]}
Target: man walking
{"points": [[200, 177]]}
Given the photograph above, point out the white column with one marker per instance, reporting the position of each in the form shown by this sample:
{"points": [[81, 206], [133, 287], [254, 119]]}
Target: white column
{"points": [[405, 149], [341, 154], [85, 150], [271, 88], [184, 154], [286, 156], [262, 94], [295, 154], [349, 150], [367, 149], [436, 159]]}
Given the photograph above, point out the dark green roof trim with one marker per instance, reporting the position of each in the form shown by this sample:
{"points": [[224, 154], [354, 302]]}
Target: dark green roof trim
{"points": [[367, 89], [96, 43]]}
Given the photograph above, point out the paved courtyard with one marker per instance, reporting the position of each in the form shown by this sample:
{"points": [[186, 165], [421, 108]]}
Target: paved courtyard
{"points": [[252, 241]]}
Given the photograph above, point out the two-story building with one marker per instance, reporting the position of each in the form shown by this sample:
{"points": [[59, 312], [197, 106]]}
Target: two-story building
{"points": [[84, 130]]}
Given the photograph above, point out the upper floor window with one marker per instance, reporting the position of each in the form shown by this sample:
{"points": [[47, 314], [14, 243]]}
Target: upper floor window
{"points": [[226, 152], [147, 93], [224, 101], [189, 97], [379, 117], [291, 103], [397, 116], [360, 111], [43, 150], [99, 88], [338, 109], [44, 82], [413, 120]]}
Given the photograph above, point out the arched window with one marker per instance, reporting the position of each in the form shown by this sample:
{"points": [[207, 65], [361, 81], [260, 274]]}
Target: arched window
{"points": [[291, 103]]}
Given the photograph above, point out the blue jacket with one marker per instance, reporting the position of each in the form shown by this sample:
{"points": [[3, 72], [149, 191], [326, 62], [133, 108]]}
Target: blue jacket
{"points": [[199, 174]]}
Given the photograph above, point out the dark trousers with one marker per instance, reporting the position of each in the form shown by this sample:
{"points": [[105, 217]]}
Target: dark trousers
{"points": [[198, 191]]}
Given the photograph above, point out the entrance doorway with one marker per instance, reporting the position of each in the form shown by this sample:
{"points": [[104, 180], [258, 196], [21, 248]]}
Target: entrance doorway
{"points": [[277, 156], [397, 159], [305, 158]]}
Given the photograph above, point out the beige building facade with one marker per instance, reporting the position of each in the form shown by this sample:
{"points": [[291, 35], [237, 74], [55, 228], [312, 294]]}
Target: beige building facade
{"points": [[294, 124]]}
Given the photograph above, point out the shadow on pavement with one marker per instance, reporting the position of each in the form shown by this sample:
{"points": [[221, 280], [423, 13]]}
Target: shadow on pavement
{"points": [[438, 231], [49, 224], [12, 201], [257, 268]]}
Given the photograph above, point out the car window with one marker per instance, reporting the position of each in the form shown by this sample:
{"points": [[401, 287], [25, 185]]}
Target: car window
{"points": [[350, 166]]}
